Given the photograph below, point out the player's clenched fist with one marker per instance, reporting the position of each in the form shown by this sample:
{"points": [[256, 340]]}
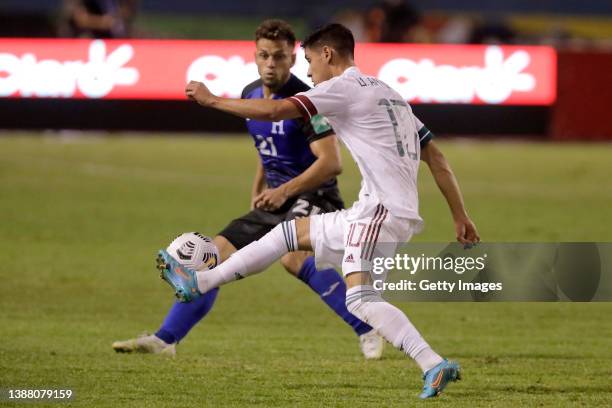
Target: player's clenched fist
{"points": [[198, 92], [271, 199]]}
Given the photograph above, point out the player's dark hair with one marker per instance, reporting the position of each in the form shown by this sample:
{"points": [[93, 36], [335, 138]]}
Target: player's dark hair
{"points": [[335, 36], [275, 30]]}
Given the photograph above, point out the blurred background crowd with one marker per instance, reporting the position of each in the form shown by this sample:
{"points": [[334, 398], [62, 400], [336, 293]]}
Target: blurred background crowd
{"points": [[569, 23]]}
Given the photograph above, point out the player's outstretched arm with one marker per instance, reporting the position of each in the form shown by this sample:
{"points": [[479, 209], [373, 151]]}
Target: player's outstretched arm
{"points": [[447, 183], [269, 110], [327, 165]]}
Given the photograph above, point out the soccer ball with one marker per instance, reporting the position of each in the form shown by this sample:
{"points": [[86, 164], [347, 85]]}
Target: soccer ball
{"points": [[194, 251]]}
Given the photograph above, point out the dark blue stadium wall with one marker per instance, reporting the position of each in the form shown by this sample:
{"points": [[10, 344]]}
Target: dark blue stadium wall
{"points": [[302, 8], [188, 116]]}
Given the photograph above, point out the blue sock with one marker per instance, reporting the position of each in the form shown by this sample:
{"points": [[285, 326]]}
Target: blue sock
{"points": [[183, 316], [331, 288]]}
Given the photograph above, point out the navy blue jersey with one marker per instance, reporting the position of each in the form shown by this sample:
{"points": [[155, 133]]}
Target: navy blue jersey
{"points": [[284, 146]]}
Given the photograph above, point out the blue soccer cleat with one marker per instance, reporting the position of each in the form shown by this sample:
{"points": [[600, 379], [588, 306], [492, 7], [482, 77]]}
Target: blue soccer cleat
{"points": [[182, 279], [437, 378]]}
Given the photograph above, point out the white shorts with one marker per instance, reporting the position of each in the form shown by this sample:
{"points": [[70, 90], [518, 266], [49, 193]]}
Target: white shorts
{"points": [[350, 239]]}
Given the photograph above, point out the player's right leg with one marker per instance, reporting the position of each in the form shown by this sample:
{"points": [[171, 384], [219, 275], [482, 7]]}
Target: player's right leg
{"points": [[180, 318], [184, 315], [367, 304], [370, 233]]}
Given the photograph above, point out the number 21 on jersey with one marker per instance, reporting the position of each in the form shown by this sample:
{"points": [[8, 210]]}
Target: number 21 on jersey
{"points": [[265, 145]]}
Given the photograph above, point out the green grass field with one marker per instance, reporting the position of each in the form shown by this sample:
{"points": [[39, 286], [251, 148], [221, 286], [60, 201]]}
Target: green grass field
{"points": [[81, 219]]}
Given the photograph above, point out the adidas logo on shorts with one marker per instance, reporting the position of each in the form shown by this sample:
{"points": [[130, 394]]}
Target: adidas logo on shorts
{"points": [[349, 259]]}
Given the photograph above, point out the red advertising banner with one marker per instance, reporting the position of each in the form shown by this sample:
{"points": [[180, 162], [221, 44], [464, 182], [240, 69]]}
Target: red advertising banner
{"points": [[159, 69]]}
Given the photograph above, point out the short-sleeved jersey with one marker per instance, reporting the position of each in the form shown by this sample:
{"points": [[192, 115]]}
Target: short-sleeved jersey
{"points": [[379, 129], [284, 146]]}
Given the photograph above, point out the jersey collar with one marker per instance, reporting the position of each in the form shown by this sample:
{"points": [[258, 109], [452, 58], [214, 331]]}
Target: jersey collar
{"points": [[287, 90], [351, 69]]}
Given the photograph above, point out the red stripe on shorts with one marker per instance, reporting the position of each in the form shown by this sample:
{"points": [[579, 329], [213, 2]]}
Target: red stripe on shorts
{"points": [[378, 227], [366, 241]]}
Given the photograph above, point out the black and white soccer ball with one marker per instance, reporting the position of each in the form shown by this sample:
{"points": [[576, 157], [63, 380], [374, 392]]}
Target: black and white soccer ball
{"points": [[195, 251]]}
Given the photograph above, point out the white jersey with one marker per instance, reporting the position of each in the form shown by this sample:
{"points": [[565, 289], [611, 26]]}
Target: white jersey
{"points": [[379, 129]]}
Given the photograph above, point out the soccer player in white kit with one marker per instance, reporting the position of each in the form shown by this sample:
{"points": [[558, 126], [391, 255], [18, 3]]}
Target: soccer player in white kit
{"points": [[382, 134]]}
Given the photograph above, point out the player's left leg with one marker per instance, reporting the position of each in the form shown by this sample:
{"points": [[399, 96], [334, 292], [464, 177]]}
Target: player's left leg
{"points": [[288, 236]]}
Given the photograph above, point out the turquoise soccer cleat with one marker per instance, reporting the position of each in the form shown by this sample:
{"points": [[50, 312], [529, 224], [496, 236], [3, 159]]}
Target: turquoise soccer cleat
{"points": [[437, 378], [182, 279]]}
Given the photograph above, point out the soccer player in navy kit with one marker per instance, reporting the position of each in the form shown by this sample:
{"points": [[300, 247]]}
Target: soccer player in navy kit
{"points": [[295, 177]]}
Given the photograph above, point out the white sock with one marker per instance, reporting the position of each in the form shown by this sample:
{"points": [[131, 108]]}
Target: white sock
{"points": [[253, 258], [391, 323]]}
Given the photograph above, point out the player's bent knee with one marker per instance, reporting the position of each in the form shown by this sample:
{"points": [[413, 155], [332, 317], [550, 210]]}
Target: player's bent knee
{"points": [[302, 228], [293, 261]]}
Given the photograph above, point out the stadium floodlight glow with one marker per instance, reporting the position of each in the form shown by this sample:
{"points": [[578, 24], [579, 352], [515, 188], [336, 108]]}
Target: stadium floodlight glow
{"points": [[159, 70]]}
